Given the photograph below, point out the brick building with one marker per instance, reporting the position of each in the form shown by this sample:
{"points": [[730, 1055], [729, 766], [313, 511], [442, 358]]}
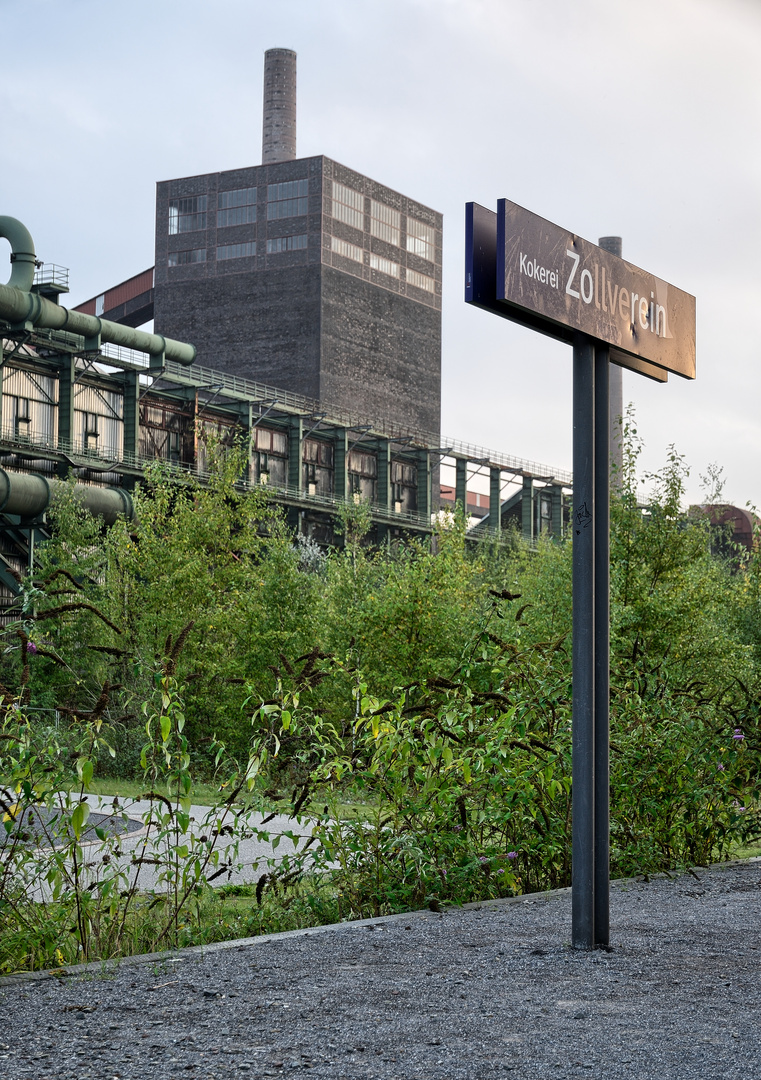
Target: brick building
{"points": [[305, 275]]}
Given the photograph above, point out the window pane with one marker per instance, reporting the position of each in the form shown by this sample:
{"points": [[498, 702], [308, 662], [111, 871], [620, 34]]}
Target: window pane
{"points": [[343, 247], [421, 281], [385, 222], [236, 215], [236, 207], [285, 243], [238, 197], [385, 266], [287, 200], [236, 251], [187, 215], [421, 239], [348, 206], [190, 255]]}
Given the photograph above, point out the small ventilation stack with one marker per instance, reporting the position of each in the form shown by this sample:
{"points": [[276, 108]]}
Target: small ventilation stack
{"points": [[614, 245], [279, 127]]}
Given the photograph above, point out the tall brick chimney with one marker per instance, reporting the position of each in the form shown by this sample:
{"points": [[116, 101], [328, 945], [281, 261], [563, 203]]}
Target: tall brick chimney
{"points": [[279, 127]]}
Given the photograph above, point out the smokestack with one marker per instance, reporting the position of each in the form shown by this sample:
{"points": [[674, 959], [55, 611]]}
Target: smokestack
{"points": [[279, 127], [614, 245]]}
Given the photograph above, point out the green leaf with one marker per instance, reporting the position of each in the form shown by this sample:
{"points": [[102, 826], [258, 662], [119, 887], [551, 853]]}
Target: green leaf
{"points": [[79, 818]]}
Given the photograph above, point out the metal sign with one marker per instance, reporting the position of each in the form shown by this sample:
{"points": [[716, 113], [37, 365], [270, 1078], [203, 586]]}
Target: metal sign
{"points": [[576, 286], [526, 269], [481, 288]]}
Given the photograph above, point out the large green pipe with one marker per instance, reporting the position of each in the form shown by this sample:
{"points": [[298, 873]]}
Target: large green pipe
{"points": [[29, 494], [19, 305]]}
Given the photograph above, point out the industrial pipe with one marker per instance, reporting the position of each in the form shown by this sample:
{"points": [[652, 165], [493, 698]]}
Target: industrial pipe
{"points": [[19, 305], [30, 494], [23, 258]]}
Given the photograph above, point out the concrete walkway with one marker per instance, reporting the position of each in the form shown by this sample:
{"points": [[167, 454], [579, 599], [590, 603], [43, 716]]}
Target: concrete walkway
{"points": [[252, 854], [472, 994]]}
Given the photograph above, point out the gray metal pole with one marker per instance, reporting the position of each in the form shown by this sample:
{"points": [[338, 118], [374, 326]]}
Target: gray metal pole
{"points": [[614, 245], [582, 879], [602, 650]]}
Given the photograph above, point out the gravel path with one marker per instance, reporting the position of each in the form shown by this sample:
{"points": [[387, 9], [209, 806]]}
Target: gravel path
{"points": [[483, 992]]}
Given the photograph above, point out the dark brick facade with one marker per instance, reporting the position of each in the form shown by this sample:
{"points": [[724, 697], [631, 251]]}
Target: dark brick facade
{"points": [[347, 311]]}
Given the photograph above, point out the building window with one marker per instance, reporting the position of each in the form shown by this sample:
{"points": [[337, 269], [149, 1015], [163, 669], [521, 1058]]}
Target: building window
{"points": [[421, 281], [403, 487], [90, 431], [191, 255], [270, 458], [421, 239], [187, 215], [236, 251], [236, 207], [317, 467], [21, 416], [100, 304], [285, 243], [287, 200], [385, 266], [343, 247], [385, 222], [348, 205]]}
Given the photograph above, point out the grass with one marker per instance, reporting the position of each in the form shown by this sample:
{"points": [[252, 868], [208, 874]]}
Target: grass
{"points": [[210, 795], [203, 794], [749, 851]]}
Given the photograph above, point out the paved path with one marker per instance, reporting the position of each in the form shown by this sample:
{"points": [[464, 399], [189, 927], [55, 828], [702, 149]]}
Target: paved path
{"points": [[471, 994], [252, 853]]}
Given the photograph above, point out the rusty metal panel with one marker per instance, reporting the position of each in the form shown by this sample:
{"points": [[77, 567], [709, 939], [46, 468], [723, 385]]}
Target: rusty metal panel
{"points": [[119, 294], [562, 285], [481, 288]]}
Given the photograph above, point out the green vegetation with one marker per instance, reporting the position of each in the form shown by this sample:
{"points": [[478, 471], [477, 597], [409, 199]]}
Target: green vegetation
{"points": [[408, 709]]}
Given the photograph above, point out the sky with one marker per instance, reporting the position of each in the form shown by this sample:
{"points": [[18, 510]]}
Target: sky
{"points": [[604, 116]]}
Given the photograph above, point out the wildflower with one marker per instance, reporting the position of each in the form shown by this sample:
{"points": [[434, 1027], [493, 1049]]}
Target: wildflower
{"points": [[738, 735], [458, 828], [512, 854], [482, 859], [31, 648], [720, 767], [501, 871]]}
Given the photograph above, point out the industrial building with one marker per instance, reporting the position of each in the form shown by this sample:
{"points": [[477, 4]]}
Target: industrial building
{"points": [[312, 298]]}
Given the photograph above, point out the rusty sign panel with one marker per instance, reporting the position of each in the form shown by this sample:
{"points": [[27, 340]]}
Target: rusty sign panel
{"points": [[481, 288], [572, 285]]}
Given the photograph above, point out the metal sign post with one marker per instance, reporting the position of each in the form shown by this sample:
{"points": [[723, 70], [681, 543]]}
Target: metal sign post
{"points": [[528, 270]]}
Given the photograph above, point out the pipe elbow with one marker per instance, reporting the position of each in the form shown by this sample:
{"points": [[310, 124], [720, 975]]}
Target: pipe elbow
{"points": [[23, 256]]}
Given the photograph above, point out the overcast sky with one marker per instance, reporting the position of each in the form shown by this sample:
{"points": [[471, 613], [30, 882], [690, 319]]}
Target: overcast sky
{"points": [[607, 117]]}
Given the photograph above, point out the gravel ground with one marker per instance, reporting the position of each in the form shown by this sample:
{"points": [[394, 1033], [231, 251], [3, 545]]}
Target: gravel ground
{"points": [[473, 993]]}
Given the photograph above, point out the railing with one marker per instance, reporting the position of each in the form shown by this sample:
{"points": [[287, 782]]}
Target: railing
{"points": [[255, 391], [52, 274], [248, 389]]}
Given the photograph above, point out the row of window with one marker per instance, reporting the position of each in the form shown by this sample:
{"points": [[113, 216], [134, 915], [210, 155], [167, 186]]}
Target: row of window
{"points": [[238, 207], [275, 245], [18, 418], [271, 467], [385, 222], [383, 266], [290, 199]]}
